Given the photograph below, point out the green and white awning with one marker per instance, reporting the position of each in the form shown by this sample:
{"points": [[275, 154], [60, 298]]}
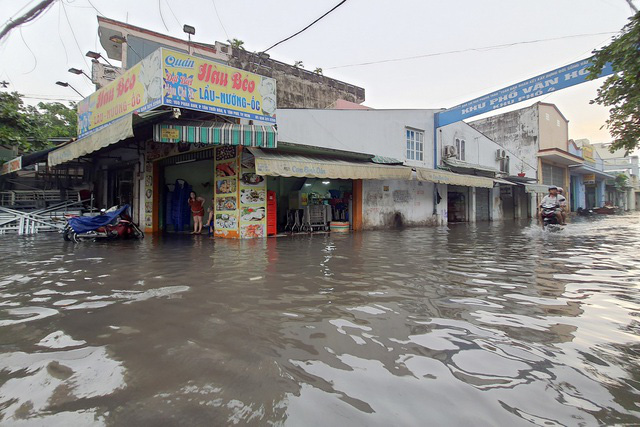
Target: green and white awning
{"points": [[215, 133]]}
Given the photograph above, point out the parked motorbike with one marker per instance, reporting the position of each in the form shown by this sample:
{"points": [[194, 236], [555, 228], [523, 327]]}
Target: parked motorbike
{"points": [[549, 217], [114, 223]]}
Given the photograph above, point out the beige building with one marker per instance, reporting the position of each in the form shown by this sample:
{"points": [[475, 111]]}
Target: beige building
{"points": [[539, 135]]}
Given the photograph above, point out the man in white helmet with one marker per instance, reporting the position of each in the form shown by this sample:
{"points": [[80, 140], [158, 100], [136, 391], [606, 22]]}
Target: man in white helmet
{"points": [[553, 199]]}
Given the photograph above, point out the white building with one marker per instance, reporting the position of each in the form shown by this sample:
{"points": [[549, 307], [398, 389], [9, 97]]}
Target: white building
{"points": [[434, 195]]}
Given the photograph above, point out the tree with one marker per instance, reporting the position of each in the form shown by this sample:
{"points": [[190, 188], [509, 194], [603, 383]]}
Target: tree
{"points": [[236, 44], [621, 181], [318, 71], [621, 91], [298, 64], [28, 127]]}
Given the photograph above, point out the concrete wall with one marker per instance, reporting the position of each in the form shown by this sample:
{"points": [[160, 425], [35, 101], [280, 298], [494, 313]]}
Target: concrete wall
{"points": [[297, 87], [393, 203], [554, 128], [480, 149], [516, 131], [378, 132]]}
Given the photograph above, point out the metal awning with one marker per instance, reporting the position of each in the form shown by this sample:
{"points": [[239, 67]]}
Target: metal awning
{"points": [[216, 133], [536, 188], [450, 178], [589, 170], [503, 181], [114, 132], [455, 163], [288, 165]]}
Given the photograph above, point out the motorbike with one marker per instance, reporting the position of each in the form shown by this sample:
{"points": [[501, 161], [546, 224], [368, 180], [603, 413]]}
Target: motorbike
{"points": [[114, 223], [549, 217]]}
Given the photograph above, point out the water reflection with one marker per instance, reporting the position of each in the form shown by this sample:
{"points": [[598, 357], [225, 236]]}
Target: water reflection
{"points": [[482, 324]]}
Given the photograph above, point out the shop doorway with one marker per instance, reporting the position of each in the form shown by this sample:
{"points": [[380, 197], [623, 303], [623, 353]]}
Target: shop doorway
{"points": [[483, 204], [457, 204], [120, 187], [314, 202], [179, 175]]}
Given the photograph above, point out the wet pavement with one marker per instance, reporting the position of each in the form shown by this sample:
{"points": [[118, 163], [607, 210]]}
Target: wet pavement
{"points": [[494, 324]]}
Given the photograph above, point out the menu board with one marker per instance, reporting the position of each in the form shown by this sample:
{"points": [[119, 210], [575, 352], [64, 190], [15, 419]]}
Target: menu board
{"points": [[253, 200], [226, 206]]}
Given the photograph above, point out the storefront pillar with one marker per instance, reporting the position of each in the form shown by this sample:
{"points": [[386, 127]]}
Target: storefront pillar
{"points": [[357, 205], [157, 188]]}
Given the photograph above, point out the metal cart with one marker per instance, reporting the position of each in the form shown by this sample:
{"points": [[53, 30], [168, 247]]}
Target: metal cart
{"points": [[315, 218]]}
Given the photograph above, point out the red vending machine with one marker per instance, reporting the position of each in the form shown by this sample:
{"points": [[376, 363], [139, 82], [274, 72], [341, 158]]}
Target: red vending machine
{"points": [[272, 214]]}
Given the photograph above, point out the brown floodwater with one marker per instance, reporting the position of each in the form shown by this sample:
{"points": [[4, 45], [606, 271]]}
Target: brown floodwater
{"points": [[488, 324]]}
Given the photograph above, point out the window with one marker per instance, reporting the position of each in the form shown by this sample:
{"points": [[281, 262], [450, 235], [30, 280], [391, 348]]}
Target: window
{"points": [[415, 145], [460, 148], [558, 123], [552, 175], [546, 116]]}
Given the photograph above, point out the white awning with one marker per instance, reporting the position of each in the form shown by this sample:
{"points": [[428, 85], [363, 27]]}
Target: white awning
{"points": [[450, 178], [114, 132], [503, 181], [536, 188], [288, 165]]}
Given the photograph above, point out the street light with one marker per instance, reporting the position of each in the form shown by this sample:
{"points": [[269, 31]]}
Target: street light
{"points": [[96, 55], [190, 31], [78, 71], [121, 40], [65, 84]]}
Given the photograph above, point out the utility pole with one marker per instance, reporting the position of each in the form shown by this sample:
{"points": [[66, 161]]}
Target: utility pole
{"points": [[632, 6]]}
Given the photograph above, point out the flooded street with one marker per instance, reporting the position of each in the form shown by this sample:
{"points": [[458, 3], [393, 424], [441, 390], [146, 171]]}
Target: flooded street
{"points": [[494, 324]]}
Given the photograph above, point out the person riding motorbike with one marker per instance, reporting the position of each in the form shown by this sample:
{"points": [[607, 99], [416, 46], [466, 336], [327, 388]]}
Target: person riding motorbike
{"points": [[553, 199]]}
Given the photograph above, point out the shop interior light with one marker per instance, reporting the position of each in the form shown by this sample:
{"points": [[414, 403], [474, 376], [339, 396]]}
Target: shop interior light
{"points": [[185, 161], [307, 185], [326, 182]]}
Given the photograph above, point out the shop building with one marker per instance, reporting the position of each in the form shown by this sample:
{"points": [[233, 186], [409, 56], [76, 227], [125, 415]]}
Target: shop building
{"points": [[538, 135], [619, 163], [465, 150]]}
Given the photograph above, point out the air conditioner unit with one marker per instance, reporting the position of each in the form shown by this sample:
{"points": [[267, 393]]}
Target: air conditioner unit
{"points": [[500, 154], [450, 151]]}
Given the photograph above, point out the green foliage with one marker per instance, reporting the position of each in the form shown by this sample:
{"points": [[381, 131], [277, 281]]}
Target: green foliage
{"points": [[621, 91], [236, 44], [28, 127], [298, 64], [318, 71], [621, 181]]}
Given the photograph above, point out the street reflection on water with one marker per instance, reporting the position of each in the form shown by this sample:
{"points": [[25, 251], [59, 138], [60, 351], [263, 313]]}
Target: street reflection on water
{"points": [[473, 324]]}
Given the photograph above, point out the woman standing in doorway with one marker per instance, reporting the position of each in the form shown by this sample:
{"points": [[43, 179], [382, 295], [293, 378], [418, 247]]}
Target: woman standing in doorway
{"points": [[197, 210]]}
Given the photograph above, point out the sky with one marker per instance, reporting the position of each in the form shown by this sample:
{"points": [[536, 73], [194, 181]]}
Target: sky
{"points": [[37, 55]]}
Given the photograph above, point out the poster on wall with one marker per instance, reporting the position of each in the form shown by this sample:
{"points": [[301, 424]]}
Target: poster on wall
{"points": [[226, 207], [253, 199]]}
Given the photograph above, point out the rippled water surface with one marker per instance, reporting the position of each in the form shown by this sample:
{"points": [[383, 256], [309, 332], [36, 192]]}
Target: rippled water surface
{"points": [[494, 324]]}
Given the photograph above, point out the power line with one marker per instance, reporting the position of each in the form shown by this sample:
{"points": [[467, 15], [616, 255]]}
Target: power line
{"points": [[35, 60], [477, 49], [307, 27], [64, 9], [95, 8], [171, 10], [162, 17], [29, 16], [66, 54], [220, 20]]}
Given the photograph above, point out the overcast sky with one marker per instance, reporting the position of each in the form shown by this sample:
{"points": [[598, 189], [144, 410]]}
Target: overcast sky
{"points": [[33, 59]]}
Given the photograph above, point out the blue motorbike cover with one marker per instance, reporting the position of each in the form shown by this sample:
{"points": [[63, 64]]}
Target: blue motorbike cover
{"points": [[84, 224]]}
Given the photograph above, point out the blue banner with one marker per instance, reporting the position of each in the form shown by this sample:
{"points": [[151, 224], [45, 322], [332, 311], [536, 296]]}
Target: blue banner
{"points": [[543, 84]]}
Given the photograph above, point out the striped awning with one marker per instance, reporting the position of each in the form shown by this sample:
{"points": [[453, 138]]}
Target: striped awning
{"points": [[216, 134]]}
